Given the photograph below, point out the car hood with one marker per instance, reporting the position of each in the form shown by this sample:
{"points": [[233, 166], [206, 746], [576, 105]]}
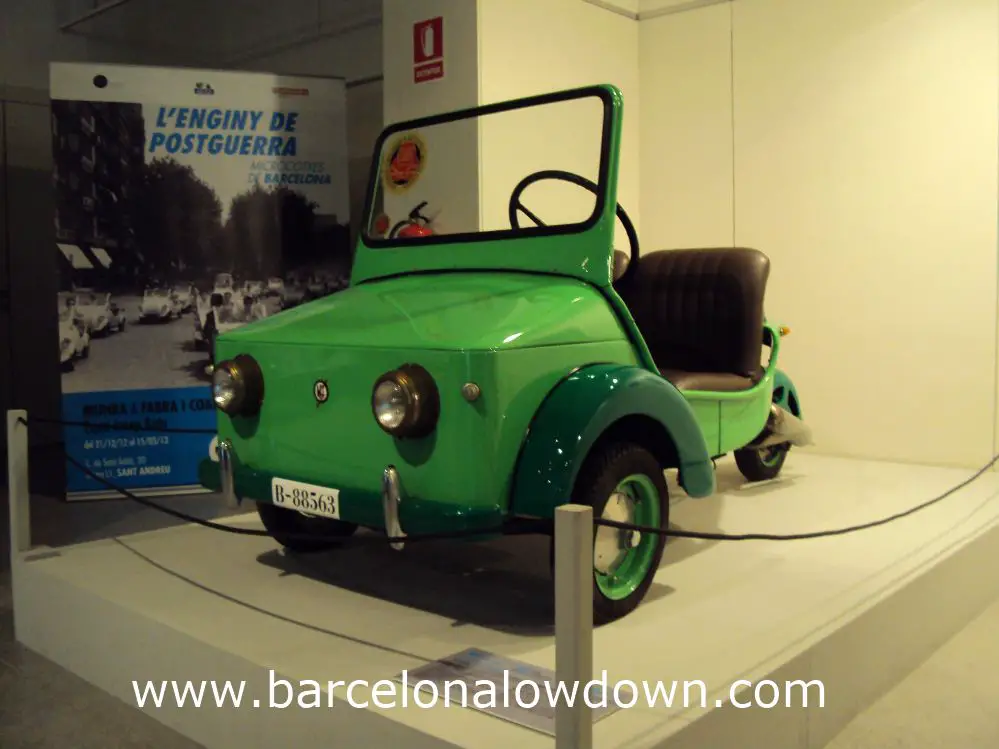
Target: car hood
{"points": [[473, 311]]}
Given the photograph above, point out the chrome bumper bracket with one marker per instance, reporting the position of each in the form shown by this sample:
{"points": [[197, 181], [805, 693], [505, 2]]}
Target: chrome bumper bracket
{"points": [[391, 498], [225, 470]]}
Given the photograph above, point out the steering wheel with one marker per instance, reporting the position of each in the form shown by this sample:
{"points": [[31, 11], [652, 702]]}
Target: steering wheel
{"points": [[516, 207]]}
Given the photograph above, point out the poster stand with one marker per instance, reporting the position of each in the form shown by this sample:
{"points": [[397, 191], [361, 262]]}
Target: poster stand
{"points": [[188, 203]]}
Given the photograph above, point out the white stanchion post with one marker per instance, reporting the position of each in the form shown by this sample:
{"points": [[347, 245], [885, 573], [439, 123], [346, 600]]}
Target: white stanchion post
{"points": [[574, 622], [18, 493]]}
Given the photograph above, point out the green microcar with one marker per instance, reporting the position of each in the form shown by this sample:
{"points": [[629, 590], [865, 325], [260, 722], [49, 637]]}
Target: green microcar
{"points": [[474, 378]]}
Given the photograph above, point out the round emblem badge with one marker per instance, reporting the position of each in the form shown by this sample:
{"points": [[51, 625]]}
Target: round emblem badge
{"points": [[321, 391], [404, 162]]}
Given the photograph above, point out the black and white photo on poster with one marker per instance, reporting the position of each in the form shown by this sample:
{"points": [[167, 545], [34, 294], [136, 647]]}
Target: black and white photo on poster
{"points": [[187, 203]]}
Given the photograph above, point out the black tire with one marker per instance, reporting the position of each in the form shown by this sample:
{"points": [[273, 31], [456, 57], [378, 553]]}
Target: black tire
{"points": [[287, 526], [761, 464], [603, 471], [85, 354]]}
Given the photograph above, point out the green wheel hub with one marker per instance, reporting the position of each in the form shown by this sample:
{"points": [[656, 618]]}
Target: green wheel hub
{"points": [[621, 558]]}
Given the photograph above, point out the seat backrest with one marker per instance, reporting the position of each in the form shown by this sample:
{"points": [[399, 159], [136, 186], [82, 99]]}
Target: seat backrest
{"points": [[621, 262], [700, 310]]}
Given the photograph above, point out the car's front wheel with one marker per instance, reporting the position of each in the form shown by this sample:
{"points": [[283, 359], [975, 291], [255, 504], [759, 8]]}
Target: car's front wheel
{"points": [[292, 529], [623, 482]]}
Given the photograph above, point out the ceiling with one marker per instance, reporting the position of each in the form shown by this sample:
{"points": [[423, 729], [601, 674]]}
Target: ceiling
{"points": [[218, 32]]}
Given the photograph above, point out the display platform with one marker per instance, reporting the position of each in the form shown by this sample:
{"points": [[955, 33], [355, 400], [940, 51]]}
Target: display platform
{"points": [[856, 611]]}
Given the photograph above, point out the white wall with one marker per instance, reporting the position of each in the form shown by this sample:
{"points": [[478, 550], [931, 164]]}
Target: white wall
{"points": [[450, 180], [865, 164], [685, 126], [354, 54], [459, 88], [528, 47]]}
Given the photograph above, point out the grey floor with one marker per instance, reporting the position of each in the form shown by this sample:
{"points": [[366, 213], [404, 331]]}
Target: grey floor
{"points": [[949, 701], [44, 707]]}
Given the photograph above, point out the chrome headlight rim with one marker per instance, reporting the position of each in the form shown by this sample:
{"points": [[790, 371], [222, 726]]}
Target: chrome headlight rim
{"points": [[422, 401], [247, 381]]}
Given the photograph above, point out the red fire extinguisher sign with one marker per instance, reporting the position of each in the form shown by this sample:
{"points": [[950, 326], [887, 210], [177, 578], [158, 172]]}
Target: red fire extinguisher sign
{"points": [[428, 50]]}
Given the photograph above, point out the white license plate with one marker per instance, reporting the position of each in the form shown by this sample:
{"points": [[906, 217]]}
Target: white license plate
{"points": [[308, 498]]}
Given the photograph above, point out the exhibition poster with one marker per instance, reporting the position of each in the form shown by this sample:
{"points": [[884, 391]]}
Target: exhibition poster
{"points": [[187, 203]]}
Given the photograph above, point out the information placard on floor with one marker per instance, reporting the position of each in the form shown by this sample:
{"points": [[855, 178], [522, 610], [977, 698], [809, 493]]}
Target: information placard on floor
{"points": [[507, 688]]}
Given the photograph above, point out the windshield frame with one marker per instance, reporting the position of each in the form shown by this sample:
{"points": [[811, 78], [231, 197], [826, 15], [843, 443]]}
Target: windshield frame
{"points": [[606, 94], [583, 251]]}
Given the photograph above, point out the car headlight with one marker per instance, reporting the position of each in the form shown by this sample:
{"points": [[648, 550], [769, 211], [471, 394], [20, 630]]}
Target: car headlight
{"points": [[405, 402], [238, 386]]}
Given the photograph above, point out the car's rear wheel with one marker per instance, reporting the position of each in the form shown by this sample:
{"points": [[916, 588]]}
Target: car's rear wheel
{"points": [[623, 482], [291, 529], [761, 463]]}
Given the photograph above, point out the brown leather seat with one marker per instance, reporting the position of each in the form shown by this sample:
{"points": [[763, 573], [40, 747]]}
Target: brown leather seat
{"points": [[621, 262], [701, 314]]}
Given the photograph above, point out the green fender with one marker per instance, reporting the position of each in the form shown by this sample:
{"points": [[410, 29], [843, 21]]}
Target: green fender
{"points": [[785, 394], [579, 410]]}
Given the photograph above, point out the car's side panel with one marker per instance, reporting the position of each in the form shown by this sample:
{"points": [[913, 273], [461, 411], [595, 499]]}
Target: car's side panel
{"points": [[707, 411], [743, 415], [521, 392], [575, 415], [742, 420]]}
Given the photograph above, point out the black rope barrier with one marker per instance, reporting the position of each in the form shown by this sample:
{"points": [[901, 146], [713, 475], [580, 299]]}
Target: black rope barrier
{"points": [[528, 526], [416, 537]]}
